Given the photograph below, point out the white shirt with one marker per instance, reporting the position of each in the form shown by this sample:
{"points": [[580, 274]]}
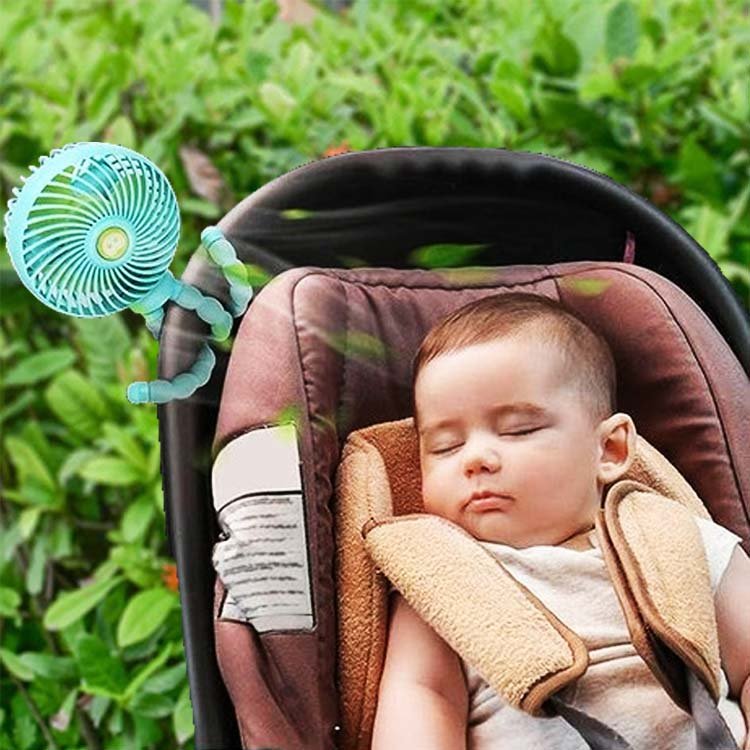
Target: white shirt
{"points": [[618, 688]]}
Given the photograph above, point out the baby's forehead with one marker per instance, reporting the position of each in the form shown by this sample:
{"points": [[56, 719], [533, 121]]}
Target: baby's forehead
{"points": [[527, 347]]}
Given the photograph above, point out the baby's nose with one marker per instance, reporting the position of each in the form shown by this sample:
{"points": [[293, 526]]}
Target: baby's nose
{"points": [[481, 458]]}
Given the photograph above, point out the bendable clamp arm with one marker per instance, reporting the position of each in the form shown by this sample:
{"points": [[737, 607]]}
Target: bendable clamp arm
{"points": [[221, 252]]}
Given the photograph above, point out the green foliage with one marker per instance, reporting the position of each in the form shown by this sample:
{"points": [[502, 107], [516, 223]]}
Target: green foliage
{"points": [[653, 94]]}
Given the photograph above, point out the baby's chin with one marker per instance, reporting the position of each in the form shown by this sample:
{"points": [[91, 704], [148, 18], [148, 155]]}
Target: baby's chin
{"points": [[502, 531]]}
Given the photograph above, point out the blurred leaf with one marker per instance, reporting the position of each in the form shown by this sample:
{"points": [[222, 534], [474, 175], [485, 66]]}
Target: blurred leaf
{"points": [[145, 612], [734, 270], [445, 255], [111, 471], [147, 731], [75, 401], [697, 169], [137, 518], [98, 707], [277, 100], [554, 52], [709, 228], [183, 717], [49, 666], [585, 287], [40, 366], [167, 680], [121, 440], [9, 602], [70, 606], [74, 462], [154, 705], [28, 520], [10, 538], [104, 342], [197, 207], [18, 404], [122, 133], [27, 463], [61, 720], [35, 571], [15, 665], [102, 673], [142, 678], [623, 30]]}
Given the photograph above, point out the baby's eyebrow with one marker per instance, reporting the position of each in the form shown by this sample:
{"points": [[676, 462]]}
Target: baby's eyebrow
{"points": [[521, 408]]}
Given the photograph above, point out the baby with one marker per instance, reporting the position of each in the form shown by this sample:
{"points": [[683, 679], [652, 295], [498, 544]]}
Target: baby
{"points": [[519, 437]]}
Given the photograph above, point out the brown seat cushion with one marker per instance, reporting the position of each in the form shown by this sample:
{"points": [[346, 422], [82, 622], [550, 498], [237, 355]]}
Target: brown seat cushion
{"points": [[333, 349]]}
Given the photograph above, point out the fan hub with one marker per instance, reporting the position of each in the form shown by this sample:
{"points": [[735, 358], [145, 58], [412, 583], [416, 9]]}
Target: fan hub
{"points": [[112, 243]]}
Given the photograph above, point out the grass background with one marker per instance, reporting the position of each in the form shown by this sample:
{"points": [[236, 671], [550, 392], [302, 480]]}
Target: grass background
{"points": [[653, 93]]}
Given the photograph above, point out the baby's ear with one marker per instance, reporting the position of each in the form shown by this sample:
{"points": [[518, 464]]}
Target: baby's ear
{"points": [[616, 447]]}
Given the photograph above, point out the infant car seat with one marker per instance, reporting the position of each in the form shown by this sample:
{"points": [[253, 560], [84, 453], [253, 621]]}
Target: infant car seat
{"points": [[325, 350]]}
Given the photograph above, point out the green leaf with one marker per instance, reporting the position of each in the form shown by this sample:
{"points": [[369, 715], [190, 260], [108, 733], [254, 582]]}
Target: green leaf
{"points": [[35, 571], [40, 366], [182, 719], [120, 440], [144, 613], [49, 666], [154, 705], [167, 680], [513, 97], [444, 255], [10, 538], [585, 287], [28, 464], [554, 52], [9, 602], [98, 708], [623, 30], [199, 207], [709, 228], [15, 665], [71, 606], [733, 270], [105, 343], [73, 463], [23, 399], [61, 720], [697, 169], [111, 471], [136, 520], [277, 100], [143, 676], [77, 403], [122, 133], [28, 520], [101, 672]]}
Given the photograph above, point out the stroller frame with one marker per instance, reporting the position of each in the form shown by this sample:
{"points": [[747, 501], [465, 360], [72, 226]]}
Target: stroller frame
{"points": [[526, 208]]}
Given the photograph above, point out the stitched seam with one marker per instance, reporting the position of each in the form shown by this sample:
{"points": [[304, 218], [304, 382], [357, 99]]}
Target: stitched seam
{"points": [[371, 591], [345, 367], [490, 285], [313, 550]]}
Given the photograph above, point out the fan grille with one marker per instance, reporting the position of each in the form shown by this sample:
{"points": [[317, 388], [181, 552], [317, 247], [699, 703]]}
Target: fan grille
{"points": [[98, 229]]}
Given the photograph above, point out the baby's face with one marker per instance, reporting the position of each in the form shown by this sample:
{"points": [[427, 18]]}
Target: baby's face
{"points": [[507, 448]]}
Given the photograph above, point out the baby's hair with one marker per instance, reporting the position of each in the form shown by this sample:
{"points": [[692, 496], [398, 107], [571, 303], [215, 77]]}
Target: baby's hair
{"points": [[586, 353]]}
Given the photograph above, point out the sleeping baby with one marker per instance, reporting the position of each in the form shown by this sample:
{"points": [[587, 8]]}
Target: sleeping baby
{"points": [[518, 438]]}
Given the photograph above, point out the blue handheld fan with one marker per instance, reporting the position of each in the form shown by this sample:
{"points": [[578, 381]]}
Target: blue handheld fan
{"points": [[93, 231]]}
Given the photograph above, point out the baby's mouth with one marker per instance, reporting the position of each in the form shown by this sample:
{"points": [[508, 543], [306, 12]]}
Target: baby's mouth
{"points": [[487, 500]]}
